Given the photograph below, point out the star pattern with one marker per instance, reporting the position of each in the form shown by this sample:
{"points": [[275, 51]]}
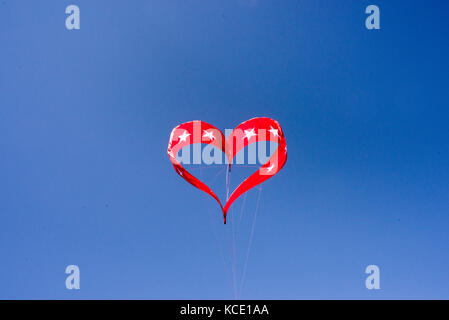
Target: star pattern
{"points": [[183, 137], [274, 132], [249, 134], [270, 168], [208, 135]]}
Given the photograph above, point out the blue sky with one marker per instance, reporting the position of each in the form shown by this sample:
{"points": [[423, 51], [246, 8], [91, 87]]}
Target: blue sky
{"points": [[85, 117]]}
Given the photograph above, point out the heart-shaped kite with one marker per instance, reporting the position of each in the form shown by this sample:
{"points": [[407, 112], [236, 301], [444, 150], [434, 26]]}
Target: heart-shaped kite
{"points": [[250, 131]]}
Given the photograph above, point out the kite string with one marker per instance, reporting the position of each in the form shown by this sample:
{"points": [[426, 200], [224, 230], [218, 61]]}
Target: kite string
{"points": [[242, 208], [250, 241], [212, 219], [233, 253], [219, 243], [228, 178], [234, 258]]}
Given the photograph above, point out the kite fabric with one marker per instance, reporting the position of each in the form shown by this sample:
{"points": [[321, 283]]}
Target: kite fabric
{"points": [[246, 133]]}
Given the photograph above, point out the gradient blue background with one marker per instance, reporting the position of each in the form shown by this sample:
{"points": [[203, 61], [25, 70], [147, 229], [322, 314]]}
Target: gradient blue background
{"points": [[85, 118]]}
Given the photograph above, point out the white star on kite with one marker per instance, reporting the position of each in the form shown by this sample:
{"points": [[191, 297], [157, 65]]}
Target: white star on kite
{"points": [[209, 135], [183, 137], [249, 134], [274, 132], [270, 168]]}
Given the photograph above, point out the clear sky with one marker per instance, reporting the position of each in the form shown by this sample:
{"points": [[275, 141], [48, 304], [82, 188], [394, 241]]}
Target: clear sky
{"points": [[85, 118]]}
